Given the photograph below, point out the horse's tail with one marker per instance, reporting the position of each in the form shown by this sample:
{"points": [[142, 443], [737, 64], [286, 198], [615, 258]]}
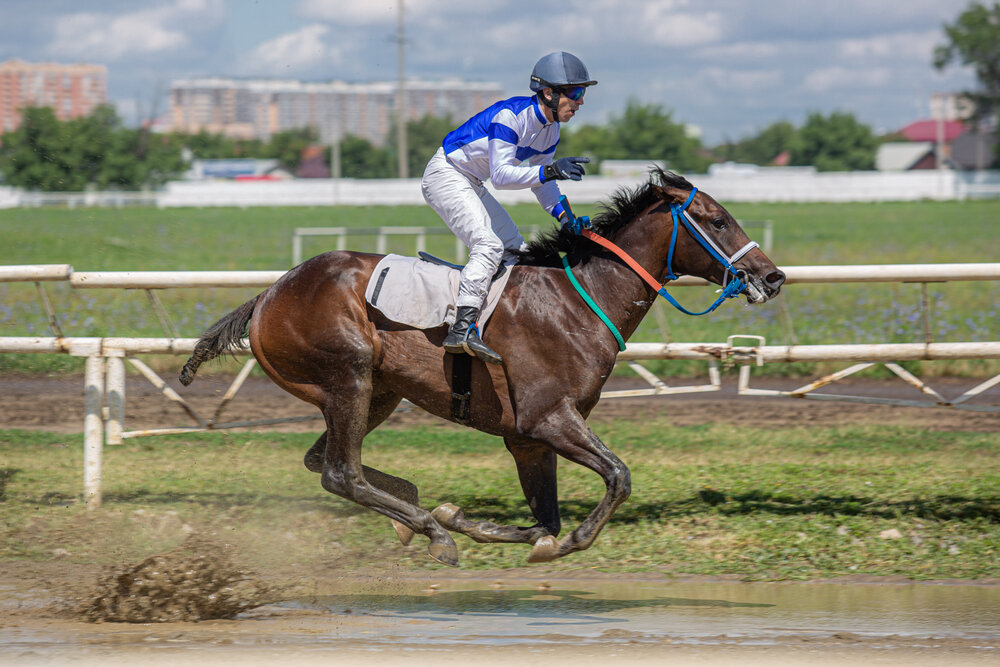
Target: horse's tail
{"points": [[220, 338]]}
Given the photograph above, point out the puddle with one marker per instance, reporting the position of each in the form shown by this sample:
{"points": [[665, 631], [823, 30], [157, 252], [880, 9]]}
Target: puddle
{"points": [[692, 612], [392, 618]]}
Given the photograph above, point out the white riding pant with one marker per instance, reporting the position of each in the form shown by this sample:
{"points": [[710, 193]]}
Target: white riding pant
{"points": [[477, 218]]}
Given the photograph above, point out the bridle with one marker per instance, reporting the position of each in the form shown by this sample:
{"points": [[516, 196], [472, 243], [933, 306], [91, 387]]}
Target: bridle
{"points": [[734, 280]]}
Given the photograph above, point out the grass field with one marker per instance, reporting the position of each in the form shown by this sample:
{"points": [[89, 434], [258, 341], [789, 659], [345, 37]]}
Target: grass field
{"points": [[793, 503], [260, 238]]}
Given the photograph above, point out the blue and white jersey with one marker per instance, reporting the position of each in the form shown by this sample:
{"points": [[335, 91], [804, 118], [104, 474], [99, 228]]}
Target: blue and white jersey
{"points": [[508, 144]]}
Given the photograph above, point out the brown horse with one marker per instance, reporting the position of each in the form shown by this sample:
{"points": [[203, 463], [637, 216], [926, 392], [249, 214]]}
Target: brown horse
{"points": [[317, 338]]}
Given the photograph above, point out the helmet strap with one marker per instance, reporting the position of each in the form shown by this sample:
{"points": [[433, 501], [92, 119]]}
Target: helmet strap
{"points": [[552, 103]]}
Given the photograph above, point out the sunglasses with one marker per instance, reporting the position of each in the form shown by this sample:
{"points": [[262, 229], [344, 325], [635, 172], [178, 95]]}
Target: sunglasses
{"points": [[575, 93]]}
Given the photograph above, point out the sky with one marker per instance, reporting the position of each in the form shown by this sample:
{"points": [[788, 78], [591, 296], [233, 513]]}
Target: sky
{"points": [[729, 67]]}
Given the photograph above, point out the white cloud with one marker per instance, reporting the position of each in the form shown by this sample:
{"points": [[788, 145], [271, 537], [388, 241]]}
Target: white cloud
{"points": [[664, 27], [827, 79], [109, 36], [916, 46], [742, 80], [368, 12], [293, 52]]}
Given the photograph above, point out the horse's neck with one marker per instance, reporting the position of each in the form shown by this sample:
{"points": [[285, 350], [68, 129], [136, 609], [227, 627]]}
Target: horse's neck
{"points": [[618, 290], [622, 291]]}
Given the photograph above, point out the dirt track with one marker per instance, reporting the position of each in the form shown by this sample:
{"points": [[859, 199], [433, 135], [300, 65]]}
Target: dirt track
{"points": [[57, 404], [35, 630]]}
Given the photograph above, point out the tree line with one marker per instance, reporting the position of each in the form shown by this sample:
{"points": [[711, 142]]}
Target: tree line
{"points": [[98, 151]]}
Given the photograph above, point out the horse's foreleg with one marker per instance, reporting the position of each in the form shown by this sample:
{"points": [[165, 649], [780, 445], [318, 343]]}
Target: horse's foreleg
{"points": [[347, 417], [536, 467], [569, 436]]}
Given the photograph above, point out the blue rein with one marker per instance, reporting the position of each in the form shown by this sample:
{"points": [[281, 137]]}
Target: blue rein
{"points": [[732, 286]]}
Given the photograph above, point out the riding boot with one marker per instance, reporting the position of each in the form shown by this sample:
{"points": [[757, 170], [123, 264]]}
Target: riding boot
{"points": [[464, 338]]}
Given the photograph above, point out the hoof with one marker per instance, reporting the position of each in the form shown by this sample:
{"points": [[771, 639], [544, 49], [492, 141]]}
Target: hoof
{"points": [[444, 553], [404, 534], [446, 514], [545, 549]]}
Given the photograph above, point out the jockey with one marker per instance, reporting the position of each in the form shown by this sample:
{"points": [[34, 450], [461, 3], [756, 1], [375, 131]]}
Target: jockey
{"points": [[511, 143]]}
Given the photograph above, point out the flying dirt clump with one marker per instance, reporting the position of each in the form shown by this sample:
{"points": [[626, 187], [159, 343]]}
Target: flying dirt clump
{"points": [[196, 581]]}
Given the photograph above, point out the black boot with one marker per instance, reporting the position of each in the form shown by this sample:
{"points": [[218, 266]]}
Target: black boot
{"points": [[463, 338]]}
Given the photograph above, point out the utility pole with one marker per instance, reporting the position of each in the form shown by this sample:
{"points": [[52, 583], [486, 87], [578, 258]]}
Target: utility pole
{"points": [[404, 171]]}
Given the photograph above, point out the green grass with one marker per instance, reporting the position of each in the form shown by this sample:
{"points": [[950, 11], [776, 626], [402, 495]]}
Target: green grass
{"points": [[708, 500], [260, 238]]}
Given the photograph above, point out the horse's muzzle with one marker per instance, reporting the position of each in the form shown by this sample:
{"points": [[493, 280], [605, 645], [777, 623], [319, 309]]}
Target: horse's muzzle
{"points": [[761, 289]]}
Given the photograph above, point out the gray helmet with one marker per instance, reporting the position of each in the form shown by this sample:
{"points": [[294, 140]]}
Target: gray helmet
{"points": [[560, 69]]}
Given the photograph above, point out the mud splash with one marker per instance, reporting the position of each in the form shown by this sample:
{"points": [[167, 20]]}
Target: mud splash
{"points": [[196, 581]]}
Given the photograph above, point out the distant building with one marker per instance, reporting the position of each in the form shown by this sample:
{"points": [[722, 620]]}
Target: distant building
{"points": [[905, 156], [258, 108], [71, 91]]}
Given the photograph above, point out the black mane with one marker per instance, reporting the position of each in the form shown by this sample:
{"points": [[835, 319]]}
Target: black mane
{"points": [[625, 205]]}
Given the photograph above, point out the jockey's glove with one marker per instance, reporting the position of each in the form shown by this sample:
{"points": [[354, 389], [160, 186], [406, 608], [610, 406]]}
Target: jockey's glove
{"points": [[565, 168]]}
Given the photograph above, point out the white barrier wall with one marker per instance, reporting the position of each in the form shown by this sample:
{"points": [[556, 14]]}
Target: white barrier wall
{"points": [[793, 186], [764, 185]]}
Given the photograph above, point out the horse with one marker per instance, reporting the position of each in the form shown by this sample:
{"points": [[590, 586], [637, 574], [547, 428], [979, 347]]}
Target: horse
{"points": [[317, 338]]}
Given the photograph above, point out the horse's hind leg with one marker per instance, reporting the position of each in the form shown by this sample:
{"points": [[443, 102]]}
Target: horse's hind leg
{"points": [[536, 467], [381, 407], [347, 418]]}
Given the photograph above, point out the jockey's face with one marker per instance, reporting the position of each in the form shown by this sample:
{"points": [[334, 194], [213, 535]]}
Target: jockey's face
{"points": [[567, 105]]}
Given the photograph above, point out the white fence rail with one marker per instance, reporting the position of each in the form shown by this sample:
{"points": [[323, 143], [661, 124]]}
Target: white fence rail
{"points": [[761, 185], [106, 356]]}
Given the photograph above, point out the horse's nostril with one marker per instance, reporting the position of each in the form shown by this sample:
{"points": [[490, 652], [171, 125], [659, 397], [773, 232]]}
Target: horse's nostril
{"points": [[775, 278]]}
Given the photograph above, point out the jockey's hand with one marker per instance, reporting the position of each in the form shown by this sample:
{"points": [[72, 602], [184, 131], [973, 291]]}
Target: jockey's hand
{"points": [[575, 224], [565, 168]]}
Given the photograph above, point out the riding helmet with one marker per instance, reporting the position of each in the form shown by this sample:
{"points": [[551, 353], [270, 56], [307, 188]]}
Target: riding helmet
{"points": [[560, 69]]}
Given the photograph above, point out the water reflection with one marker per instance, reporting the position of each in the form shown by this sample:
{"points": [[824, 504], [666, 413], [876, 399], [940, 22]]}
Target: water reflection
{"points": [[566, 605]]}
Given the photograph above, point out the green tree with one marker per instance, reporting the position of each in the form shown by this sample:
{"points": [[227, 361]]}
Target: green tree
{"points": [[837, 142], [47, 154], [38, 155], [763, 147], [592, 141], [423, 138], [287, 147], [973, 40], [644, 131], [359, 158]]}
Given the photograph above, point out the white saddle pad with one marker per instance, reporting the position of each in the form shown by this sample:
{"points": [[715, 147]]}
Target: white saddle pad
{"points": [[422, 295]]}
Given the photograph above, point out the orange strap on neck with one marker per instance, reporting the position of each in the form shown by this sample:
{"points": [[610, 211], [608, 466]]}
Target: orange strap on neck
{"points": [[634, 265]]}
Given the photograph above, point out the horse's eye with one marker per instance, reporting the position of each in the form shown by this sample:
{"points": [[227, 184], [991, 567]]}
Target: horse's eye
{"points": [[720, 223]]}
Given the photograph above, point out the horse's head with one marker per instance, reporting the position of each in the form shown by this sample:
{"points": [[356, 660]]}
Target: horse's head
{"points": [[704, 240]]}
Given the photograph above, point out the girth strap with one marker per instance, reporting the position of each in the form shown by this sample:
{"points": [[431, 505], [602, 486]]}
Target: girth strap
{"points": [[461, 386]]}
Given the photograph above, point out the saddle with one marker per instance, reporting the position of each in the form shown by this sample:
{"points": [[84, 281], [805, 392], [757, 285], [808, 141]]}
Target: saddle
{"points": [[421, 292]]}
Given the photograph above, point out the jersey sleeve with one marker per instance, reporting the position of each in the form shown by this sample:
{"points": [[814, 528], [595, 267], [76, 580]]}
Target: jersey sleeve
{"points": [[505, 171]]}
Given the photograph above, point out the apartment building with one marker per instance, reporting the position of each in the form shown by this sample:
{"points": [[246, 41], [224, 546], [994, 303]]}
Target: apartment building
{"points": [[258, 108], [71, 90]]}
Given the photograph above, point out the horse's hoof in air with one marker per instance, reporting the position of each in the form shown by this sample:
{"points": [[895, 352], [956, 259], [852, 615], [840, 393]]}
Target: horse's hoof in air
{"points": [[404, 534], [546, 548], [444, 553], [446, 514]]}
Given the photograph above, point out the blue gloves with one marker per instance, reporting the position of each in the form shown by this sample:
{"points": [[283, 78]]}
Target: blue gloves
{"points": [[565, 168]]}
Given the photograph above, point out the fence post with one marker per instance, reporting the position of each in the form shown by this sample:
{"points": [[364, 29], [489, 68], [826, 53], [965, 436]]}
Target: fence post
{"points": [[93, 431], [115, 391]]}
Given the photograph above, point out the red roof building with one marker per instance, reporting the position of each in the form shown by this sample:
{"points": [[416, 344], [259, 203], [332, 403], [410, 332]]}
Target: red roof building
{"points": [[927, 130]]}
